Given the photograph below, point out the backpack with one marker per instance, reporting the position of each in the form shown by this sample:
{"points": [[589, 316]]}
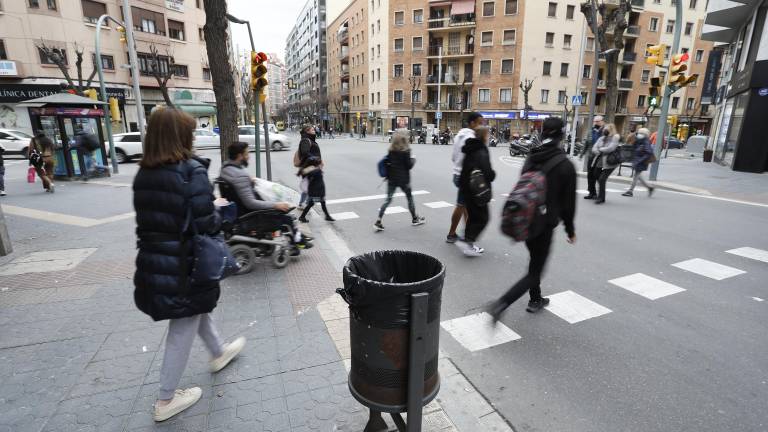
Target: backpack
{"points": [[522, 216], [479, 188], [383, 167]]}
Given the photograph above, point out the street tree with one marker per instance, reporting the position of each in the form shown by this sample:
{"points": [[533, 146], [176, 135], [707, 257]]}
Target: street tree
{"points": [[163, 68], [223, 74], [58, 57], [609, 21], [526, 85], [338, 104]]}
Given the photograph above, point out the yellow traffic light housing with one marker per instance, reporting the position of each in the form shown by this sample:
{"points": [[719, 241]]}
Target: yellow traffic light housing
{"points": [[677, 69], [655, 54], [114, 109], [258, 71], [121, 30], [91, 93]]}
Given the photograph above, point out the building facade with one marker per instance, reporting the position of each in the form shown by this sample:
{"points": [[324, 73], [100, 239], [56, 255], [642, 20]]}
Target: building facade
{"points": [[175, 28], [277, 91]]}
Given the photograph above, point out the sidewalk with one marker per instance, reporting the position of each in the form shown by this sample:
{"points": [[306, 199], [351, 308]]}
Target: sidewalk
{"points": [[78, 355]]}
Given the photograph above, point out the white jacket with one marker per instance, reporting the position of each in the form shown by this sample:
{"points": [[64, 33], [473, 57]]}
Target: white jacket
{"points": [[458, 143]]}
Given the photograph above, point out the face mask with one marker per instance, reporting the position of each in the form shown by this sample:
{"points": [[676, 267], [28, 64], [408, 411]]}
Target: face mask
{"points": [[640, 136]]}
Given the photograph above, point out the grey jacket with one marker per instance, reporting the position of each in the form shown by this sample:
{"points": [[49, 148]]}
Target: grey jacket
{"points": [[602, 148], [241, 181]]}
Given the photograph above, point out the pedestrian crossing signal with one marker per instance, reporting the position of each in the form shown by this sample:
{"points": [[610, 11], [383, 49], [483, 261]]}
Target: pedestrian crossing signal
{"points": [[258, 71]]}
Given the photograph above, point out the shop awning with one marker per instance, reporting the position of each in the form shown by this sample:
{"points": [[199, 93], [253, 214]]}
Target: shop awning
{"points": [[198, 110], [461, 7]]}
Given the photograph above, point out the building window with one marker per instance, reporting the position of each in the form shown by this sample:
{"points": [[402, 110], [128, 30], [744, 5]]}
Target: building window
{"points": [[484, 95], [44, 59], [206, 74], [670, 26], [699, 57], [378, 97], [544, 96], [397, 96], [378, 50], [176, 30], [92, 10], [675, 102], [201, 34], [181, 70], [653, 24], [505, 95], [549, 39], [561, 97], [397, 71], [552, 11], [3, 53], [416, 69], [507, 66], [510, 7], [418, 16], [645, 75], [107, 61], [563, 69], [416, 96], [34, 4], [692, 4], [690, 104], [418, 43], [641, 101], [688, 28], [52, 4], [486, 38], [567, 39], [584, 98], [378, 26], [547, 68], [399, 45], [587, 72], [509, 37], [489, 8], [485, 67], [590, 44], [373, 30], [570, 10], [399, 18], [378, 74]]}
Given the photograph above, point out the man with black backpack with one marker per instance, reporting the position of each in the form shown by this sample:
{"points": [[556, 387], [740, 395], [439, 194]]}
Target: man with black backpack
{"points": [[545, 195]]}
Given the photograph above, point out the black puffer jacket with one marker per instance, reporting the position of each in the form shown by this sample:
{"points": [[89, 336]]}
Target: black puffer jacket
{"points": [[161, 197], [476, 157], [561, 185], [399, 168]]}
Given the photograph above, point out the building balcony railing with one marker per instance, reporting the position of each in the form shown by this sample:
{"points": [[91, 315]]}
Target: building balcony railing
{"points": [[625, 84], [638, 4], [142, 30], [452, 22], [629, 57], [344, 92], [452, 79], [343, 54], [446, 106], [632, 31], [434, 50], [343, 36], [344, 74]]}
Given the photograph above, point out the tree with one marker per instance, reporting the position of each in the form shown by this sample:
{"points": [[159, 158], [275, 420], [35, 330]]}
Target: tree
{"points": [[568, 111], [58, 57], [610, 20], [526, 85], [338, 103], [163, 68], [222, 73]]}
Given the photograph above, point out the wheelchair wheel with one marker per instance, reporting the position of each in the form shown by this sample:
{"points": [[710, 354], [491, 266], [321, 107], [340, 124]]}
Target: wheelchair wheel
{"points": [[280, 258], [244, 257]]}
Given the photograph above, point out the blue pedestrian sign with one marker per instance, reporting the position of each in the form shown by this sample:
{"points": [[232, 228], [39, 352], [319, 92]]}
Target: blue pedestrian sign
{"points": [[439, 115], [576, 100]]}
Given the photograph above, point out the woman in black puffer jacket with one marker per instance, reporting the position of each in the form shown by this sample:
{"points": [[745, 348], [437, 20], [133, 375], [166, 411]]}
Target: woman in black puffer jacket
{"points": [[170, 192], [399, 164]]}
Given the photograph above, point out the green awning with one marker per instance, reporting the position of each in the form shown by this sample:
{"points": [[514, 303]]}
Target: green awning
{"points": [[198, 110]]}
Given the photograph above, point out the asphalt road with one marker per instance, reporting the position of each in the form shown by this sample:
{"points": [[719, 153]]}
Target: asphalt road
{"points": [[695, 360]]}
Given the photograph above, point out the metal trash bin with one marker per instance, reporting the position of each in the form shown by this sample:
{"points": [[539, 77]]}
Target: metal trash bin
{"points": [[394, 302]]}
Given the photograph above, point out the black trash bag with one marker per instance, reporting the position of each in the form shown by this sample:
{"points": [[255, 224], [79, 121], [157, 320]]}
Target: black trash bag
{"points": [[378, 286]]}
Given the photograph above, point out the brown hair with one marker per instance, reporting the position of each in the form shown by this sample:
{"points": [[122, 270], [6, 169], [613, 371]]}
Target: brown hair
{"points": [[168, 139], [481, 133], [631, 138]]}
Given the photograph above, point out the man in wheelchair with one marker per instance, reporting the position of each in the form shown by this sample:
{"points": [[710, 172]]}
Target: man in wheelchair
{"points": [[237, 186]]}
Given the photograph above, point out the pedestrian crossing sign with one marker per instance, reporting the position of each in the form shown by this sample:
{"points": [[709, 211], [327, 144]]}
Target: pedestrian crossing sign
{"points": [[576, 100], [439, 115]]}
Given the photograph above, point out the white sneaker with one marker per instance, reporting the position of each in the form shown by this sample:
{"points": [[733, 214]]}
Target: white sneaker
{"points": [[461, 244], [231, 350], [182, 400], [473, 251], [2, 193]]}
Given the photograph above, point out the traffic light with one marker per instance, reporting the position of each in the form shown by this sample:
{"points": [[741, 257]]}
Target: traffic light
{"points": [[121, 30], [654, 92], [677, 70], [114, 109], [91, 93], [258, 71], [655, 54]]}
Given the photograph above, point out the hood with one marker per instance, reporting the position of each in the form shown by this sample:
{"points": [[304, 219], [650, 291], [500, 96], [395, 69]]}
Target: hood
{"points": [[472, 145], [203, 161], [465, 133], [543, 153]]}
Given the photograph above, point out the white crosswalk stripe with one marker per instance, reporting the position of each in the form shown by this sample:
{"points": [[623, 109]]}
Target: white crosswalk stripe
{"points": [[395, 210], [751, 253], [646, 286], [477, 332], [371, 197], [708, 269], [438, 204], [345, 216], [574, 308]]}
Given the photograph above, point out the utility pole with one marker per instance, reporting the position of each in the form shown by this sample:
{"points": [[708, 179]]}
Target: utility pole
{"points": [[134, 66], [661, 131], [415, 84], [103, 91], [577, 92], [439, 113], [593, 92]]}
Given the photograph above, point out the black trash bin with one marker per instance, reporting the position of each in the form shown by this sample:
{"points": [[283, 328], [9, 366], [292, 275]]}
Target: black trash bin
{"points": [[378, 287]]}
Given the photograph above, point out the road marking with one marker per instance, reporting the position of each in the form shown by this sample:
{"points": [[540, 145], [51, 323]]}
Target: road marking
{"points": [[438, 204], [46, 261], [344, 216], [371, 197], [395, 210], [511, 161], [574, 308], [477, 332], [752, 253], [62, 218], [758, 299], [108, 183], [708, 269], [646, 286]]}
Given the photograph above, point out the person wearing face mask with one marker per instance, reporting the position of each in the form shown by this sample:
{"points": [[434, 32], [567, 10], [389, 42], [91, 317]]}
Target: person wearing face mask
{"points": [[601, 167], [597, 132], [642, 156]]}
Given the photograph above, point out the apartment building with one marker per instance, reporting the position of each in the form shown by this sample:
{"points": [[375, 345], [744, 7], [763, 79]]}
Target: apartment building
{"points": [[306, 64], [175, 28], [277, 89]]}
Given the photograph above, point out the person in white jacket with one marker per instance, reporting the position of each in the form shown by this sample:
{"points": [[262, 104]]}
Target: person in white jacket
{"points": [[474, 120]]}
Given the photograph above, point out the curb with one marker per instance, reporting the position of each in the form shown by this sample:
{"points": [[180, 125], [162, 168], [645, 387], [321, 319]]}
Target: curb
{"points": [[660, 184]]}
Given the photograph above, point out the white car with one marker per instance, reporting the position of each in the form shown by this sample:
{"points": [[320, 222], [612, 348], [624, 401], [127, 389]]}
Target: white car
{"points": [[206, 139], [127, 146], [277, 141], [14, 141]]}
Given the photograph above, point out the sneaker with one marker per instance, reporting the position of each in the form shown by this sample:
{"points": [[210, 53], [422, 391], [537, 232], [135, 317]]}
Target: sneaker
{"points": [[496, 309], [378, 226], [650, 191], [461, 244], [451, 238], [627, 194], [295, 251], [182, 400], [303, 220], [600, 201], [52, 188], [329, 218], [231, 350], [473, 251], [2, 193], [590, 196], [418, 220], [537, 305]]}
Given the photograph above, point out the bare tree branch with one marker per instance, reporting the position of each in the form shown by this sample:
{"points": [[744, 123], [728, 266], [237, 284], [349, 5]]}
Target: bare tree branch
{"points": [[162, 77], [57, 56], [526, 85]]}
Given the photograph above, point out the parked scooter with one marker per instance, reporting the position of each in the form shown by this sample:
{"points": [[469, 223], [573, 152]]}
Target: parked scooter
{"points": [[434, 139], [493, 142], [520, 146], [422, 138], [445, 138]]}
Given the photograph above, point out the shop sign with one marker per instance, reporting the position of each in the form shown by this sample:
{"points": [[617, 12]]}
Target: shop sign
{"points": [[709, 88], [535, 115], [8, 68], [763, 91], [78, 112], [13, 93], [506, 115], [176, 5]]}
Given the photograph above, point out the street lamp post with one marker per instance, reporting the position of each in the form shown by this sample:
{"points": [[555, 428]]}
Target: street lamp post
{"points": [[103, 91], [593, 92], [134, 66]]}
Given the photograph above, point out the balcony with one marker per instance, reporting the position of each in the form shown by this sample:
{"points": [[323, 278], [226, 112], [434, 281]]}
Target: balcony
{"points": [[451, 80], [629, 57], [451, 51], [344, 91], [343, 54], [625, 84], [453, 22], [344, 74], [343, 36], [632, 31], [445, 106]]}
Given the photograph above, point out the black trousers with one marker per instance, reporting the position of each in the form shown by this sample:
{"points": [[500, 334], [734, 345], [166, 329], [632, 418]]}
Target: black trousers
{"points": [[602, 177], [538, 248], [477, 219], [591, 178]]}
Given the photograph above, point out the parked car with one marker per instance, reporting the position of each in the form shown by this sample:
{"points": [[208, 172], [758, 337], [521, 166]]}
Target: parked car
{"points": [[277, 141], [127, 146], [674, 143], [205, 139], [14, 141]]}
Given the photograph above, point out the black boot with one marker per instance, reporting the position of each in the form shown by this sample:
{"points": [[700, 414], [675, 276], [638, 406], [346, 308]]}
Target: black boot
{"points": [[537, 305]]}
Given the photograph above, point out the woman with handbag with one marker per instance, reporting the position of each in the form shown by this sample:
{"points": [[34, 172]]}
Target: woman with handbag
{"points": [[174, 198], [475, 185], [40, 155], [604, 163]]}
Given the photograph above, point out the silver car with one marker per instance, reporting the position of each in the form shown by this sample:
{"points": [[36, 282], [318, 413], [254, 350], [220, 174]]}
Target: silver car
{"points": [[277, 141], [14, 141]]}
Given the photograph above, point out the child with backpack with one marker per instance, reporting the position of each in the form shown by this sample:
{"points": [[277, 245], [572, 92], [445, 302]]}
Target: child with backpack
{"points": [[545, 195], [396, 169], [475, 185], [311, 169]]}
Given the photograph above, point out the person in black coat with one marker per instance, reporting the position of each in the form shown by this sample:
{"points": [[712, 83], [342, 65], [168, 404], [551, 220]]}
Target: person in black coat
{"points": [[476, 157], [171, 192], [308, 148], [399, 164]]}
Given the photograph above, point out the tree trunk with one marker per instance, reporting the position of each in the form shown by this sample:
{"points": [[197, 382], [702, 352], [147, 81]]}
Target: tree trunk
{"points": [[216, 42]]}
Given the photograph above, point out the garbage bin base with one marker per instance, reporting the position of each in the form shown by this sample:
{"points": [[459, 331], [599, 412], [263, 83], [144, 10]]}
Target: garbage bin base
{"points": [[392, 408]]}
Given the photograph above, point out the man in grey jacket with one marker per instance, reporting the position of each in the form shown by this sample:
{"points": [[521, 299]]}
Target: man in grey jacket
{"points": [[234, 173]]}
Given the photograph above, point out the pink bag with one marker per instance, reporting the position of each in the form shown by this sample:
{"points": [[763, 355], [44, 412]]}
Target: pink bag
{"points": [[31, 175]]}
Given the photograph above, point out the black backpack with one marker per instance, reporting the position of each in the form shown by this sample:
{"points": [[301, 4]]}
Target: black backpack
{"points": [[479, 188]]}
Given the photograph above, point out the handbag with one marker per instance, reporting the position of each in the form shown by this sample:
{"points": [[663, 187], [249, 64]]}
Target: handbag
{"points": [[31, 175]]}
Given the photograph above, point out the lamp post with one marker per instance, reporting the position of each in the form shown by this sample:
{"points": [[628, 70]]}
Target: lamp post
{"points": [[103, 92], [134, 66]]}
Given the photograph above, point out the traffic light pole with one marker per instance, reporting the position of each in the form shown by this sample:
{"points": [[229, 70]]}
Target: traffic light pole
{"points": [[134, 68], [661, 130], [577, 92], [267, 144], [256, 140], [593, 92], [103, 92]]}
